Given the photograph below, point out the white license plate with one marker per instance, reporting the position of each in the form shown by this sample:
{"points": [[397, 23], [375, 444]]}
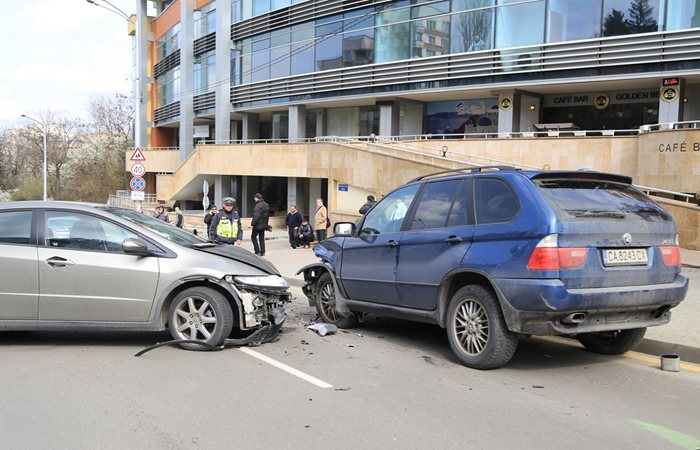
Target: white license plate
{"points": [[625, 257]]}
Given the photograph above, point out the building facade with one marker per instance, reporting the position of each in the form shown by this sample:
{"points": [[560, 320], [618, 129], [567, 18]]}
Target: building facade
{"points": [[280, 72]]}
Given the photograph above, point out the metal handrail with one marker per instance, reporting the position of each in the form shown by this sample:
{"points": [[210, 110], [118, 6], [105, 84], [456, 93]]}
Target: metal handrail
{"points": [[648, 190]]}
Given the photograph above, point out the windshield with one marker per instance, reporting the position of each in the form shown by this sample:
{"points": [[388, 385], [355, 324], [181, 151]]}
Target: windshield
{"points": [[162, 229], [585, 199]]}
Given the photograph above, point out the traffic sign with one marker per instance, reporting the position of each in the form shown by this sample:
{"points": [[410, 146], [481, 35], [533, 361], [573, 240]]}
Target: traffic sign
{"points": [[137, 184], [138, 169], [137, 155], [138, 196]]}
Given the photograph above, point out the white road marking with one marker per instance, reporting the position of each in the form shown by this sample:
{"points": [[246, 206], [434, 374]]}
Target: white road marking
{"points": [[290, 370]]}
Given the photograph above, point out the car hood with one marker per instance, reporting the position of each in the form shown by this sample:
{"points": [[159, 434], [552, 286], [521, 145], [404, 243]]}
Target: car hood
{"points": [[241, 255]]}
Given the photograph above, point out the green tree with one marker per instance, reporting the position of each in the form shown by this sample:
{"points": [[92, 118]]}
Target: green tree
{"points": [[615, 24], [641, 17]]}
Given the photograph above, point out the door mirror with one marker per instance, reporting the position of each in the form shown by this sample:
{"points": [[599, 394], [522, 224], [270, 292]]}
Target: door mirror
{"points": [[136, 247], [344, 229]]}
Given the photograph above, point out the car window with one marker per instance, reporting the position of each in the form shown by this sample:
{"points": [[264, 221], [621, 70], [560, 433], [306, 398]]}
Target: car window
{"points": [[574, 200], [495, 201], [387, 216], [434, 205], [84, 232], [15, 227], [162, 229], [459, 214]]}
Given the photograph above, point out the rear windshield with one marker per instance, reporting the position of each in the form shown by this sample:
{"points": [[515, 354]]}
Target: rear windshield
{"points": [[574, 200]]}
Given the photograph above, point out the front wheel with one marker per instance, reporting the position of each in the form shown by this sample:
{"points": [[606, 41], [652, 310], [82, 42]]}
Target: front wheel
{"points": [[325, 304], [200, 314], [612, 342], [477, 331]]}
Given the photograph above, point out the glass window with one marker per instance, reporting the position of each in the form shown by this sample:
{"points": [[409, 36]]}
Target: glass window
{"points": [[428, 37], [303, 32], [472, 31], [358, 48], [510, 33], [369, 120], [465, 5], [276, 4], [246, 68], [245, 9], [204, 72], [302, 58], [393, 41], [15, 227], [343, 121], [280, 37], [495, 201], [434, 205], [389, 213], [359, 19], [622, 17], [430, 10], [260, 7], [682, 14], [261, 66], [459, 214], [279, 61], [329, 46], [569, 20], [205, 20], [83, 232], [168, 88]]}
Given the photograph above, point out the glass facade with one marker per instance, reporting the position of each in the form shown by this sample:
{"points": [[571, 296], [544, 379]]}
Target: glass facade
{"points": [[204, 73], [168, 43], [205, 20], [168, 88]]}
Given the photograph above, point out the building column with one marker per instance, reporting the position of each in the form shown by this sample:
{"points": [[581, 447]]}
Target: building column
{"points": [[222, 188], [389, 118], [411, 118], [314, 193], [223, 71], [297, 123], [291, 192], [251, 126], [321, 122], [186, 78], [509, 112], [671, 100]]}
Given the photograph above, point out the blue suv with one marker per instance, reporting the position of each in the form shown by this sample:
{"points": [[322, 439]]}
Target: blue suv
{"points": [[492, 253]]}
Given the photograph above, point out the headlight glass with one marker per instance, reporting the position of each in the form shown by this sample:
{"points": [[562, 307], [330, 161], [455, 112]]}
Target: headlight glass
{"points": [[270, 281]]}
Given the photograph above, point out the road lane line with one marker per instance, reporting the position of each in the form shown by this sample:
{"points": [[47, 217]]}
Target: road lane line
{"points": [[631, 355], [290, 370]]}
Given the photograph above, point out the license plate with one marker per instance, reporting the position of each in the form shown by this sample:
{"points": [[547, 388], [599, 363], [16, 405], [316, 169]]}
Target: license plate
{"points": [[625, 257]]}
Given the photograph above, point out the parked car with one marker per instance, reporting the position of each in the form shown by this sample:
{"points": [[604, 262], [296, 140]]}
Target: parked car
{"points": [[494, 253], [76, 265]]}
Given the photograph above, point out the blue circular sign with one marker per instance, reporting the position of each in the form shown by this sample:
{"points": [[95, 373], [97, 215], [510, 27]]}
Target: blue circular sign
{"points": [[138, 184]]}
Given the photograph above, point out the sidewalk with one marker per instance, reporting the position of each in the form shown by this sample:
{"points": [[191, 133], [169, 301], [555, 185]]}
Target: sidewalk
{"points": [[681, 336]]}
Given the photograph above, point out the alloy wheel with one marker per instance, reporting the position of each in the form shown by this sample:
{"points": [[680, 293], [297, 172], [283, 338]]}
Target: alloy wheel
{"points": [[195, 319], [471, 326]]}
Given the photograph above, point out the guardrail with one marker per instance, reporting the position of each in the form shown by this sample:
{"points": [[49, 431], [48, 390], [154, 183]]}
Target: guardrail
{"points": [[123, 199]]}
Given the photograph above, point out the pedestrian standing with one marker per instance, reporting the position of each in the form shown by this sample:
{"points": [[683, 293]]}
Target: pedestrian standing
{"points": [[368, 205], [180, 218], [321, 221], [259, 224], [293, 221], [207, 218], [161, 214], [226, 225]]}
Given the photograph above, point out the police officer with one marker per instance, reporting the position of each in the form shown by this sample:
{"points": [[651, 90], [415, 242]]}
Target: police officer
{"points": [[226, 225]]}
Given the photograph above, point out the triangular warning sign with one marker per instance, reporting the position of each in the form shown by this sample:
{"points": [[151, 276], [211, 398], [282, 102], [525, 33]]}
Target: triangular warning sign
{"points": [[137, 155]]}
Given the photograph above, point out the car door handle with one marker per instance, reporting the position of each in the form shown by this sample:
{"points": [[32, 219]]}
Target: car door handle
{"points": [[454, 240], [59, 262], [392, 244]]}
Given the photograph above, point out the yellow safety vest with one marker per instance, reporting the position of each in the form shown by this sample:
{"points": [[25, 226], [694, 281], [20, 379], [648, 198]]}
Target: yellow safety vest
{"points": [[227, 228]]}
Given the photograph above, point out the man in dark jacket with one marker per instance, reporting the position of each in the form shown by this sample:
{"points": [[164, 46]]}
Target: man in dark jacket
{"points": [[368, 205], [292, 222], [261, 218], [305, 234], [180, 221], [209, 215], [226, 225]]}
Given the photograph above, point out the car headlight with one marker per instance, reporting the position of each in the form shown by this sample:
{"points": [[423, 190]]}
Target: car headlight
{"points": [[268, 281]]}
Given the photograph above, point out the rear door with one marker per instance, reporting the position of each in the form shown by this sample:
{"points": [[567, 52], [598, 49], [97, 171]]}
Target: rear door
{"points": [[437, 236], [368, 270], [84, 274], [19, 276]]}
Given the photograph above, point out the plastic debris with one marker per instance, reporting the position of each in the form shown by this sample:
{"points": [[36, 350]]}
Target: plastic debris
{"points": [[323, 328]]}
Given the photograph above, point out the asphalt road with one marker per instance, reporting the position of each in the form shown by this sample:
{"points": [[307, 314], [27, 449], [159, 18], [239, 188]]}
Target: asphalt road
{"points": [[389, 384]]}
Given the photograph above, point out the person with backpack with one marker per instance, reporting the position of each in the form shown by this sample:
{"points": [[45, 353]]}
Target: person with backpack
{"points": [[226, 226], [259, 224]]}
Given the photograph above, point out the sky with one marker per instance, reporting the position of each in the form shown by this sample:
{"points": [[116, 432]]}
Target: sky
{"points": [[58, 54]]}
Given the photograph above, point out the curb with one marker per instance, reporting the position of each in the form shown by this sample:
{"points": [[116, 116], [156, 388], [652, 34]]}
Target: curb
{"points": [[658, 348]]}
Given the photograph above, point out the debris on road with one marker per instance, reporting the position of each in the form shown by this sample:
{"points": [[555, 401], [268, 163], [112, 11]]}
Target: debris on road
{"points": [[323, 328]]}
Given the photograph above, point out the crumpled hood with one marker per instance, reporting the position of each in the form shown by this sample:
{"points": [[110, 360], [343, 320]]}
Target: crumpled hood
{"points": [[242, 255]]}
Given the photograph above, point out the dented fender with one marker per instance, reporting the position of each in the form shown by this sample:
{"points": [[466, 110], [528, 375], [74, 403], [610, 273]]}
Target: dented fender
{"points": [[312, 273]]}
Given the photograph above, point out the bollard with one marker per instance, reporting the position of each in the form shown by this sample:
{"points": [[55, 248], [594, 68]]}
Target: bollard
{"points": [[670, 363]]}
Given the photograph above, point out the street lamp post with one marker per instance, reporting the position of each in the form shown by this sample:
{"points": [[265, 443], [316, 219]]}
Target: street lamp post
{"points": [[44, 126], [137, 97]]}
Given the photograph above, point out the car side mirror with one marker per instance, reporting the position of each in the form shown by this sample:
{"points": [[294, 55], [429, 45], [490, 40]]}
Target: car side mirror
{"points": [[344, 229], [136, 247]]}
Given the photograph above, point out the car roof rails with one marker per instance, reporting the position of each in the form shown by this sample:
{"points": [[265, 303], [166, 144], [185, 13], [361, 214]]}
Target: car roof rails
{"points": [[466, 170]]}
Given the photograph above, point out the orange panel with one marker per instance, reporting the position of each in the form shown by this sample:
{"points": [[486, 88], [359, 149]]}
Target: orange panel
{"points": [[162, 137], [167, 20], [200, 3]]}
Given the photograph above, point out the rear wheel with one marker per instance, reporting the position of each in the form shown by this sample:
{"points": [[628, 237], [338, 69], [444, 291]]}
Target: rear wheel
{"points": [[200, 314], [476, 329], [612, 342], [325, 304]]}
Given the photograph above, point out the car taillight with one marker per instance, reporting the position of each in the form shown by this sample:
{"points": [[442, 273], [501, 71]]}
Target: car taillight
{"points": [[547, 255], [671, 255]]}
